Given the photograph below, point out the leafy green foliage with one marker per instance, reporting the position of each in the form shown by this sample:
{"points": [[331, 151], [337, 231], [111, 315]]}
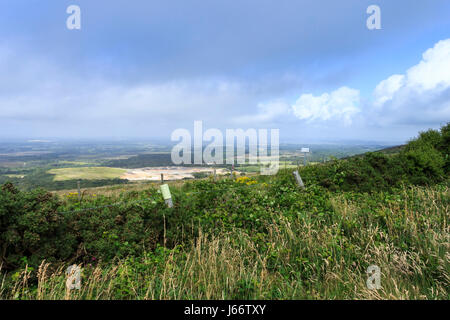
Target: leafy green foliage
{"points": [[30, 227], [423, 161]]}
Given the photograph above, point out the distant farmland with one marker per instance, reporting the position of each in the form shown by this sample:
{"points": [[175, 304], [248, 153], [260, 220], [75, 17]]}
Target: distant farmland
{"points": [[150, 173], [87, 173]]}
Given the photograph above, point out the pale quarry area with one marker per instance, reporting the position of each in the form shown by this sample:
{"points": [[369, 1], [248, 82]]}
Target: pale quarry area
{"points": [[170, 173]]}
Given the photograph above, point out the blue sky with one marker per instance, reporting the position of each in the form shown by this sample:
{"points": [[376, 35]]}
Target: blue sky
{"points": [[145, 68]]}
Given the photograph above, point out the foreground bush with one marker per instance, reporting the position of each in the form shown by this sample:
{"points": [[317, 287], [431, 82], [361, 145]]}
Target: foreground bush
{"points": [[306, 255]]}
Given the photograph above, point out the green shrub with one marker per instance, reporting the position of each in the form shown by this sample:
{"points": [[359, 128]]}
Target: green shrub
{"points": [[444, 146], [30, 227], [423, 161], [423, 165]]}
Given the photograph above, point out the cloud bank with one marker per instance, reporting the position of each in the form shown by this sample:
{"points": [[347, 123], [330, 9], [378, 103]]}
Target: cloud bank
{"points": [[146, 69], [339, 105], [421, 95]]}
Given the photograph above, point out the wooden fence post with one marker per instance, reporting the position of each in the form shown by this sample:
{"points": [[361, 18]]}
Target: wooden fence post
{"points": [[79, 191], [231, 172]]}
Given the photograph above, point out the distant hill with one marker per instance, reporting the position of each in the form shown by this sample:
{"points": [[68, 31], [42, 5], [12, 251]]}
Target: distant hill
{"points": [[386, 151], [392, 150]]}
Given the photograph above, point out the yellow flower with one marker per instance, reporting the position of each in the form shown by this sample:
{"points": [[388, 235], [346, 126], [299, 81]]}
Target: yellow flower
{"points": [[242, 179], [246, 180]]}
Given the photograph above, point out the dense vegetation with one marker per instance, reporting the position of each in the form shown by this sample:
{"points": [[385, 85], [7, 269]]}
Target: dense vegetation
{"points": [[423, 161], [248, 238]]}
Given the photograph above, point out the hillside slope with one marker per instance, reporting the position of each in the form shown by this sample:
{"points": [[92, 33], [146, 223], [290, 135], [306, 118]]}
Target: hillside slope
{"points": [[250, 238]]}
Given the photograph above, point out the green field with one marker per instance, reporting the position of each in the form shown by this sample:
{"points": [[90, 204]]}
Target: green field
{"points": [[18, 176], [86, 173], [74, 163]]}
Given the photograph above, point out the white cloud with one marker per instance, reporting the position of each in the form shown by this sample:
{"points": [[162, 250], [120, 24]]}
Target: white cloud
{"points": [[433, 71], [266, 112], [421, 95], [386, 89], [339, 105]]}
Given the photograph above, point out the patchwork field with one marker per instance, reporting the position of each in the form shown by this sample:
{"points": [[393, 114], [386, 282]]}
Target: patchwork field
{"points": [[87, 173], [140, 174]]}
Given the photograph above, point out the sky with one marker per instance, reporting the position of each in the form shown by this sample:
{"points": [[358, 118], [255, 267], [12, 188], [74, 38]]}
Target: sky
{"points": [[142, 69]]}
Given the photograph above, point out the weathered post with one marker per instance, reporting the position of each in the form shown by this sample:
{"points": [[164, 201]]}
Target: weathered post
{"points": [[299, 179], [79, 191], [162, 178]]}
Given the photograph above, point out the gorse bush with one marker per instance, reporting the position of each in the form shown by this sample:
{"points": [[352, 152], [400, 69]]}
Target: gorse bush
{"points": [[444, 146], [294, 243], [37, 225], [304, 254], [30, 228]]}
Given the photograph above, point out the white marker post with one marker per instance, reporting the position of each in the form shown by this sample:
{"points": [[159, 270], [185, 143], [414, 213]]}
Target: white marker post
{"points": [[299, 179], [166, 195]]}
